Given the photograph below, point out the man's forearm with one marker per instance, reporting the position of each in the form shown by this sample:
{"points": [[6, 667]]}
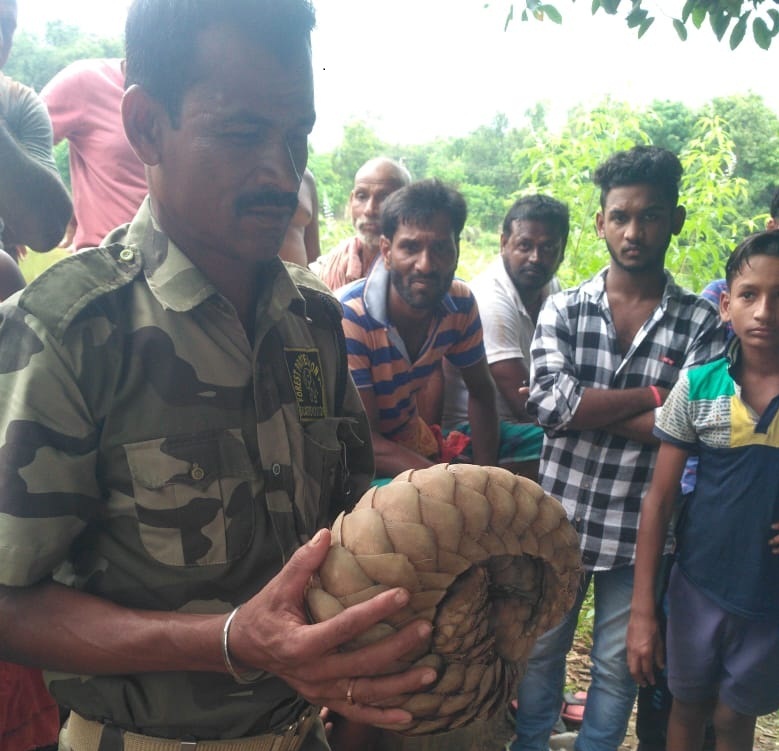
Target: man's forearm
{"points": [[638, 428], [34, 203], [391, 458], [599, 408], [485, 433], [59, 628]]}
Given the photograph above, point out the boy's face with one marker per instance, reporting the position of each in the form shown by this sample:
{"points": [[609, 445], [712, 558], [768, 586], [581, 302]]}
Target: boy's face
{"points": [[751, 305]]}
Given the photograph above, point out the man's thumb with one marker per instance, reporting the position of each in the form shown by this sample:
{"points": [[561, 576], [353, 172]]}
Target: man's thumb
{"points": [[308, 558]]}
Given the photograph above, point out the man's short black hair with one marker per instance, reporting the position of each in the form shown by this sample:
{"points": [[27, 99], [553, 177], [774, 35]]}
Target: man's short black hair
{"points": [[641, 165], [760, 244], [418, 203], [161, 38], [539, 208], [774, 210]]}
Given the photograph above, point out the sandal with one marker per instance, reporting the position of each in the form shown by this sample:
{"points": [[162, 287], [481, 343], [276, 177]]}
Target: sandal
{"points": [[573, 707]]}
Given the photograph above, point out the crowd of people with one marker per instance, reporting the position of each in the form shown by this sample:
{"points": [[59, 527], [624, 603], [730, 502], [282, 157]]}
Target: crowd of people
{"points": [[188, 401]]}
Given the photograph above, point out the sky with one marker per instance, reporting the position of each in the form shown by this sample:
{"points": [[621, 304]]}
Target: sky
{"points": [[419, 69]]}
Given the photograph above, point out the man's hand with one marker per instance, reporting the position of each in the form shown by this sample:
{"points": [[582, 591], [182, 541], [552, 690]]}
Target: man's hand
{"points": [[774, 541], [645, 648], [272, 633]]}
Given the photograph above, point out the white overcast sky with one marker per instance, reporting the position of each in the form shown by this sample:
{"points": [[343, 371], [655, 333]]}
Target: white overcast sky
{"points": [[417, 69]]}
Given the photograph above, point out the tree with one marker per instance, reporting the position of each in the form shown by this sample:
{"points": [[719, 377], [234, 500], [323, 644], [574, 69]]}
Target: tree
{"points": [[669, 124], [754, 128], [736, 16], [35, 61]]}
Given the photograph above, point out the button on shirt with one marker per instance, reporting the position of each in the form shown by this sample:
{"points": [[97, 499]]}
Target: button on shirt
{"points": [[601, 477]]}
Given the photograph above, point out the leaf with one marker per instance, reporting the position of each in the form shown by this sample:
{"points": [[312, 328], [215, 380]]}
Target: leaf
{"points": [[595, 6], [636, 17], [687, 9], [719, 23], [645, 27], [552, 13], [699, 15], [610, 6], [761, 33], [681, 29], [524, 15], [739, 30], [774, 14], [509, 17]]}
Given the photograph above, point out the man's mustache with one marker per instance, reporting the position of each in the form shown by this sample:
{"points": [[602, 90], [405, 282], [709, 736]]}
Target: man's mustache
{"points": [[263, 199]]}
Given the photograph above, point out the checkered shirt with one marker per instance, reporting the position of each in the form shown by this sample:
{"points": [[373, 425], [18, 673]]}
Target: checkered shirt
{"points": [[601, 477]]}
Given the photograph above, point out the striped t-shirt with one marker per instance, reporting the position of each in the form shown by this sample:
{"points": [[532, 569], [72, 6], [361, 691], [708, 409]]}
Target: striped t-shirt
{"points": [[726, 524], [379, 360]]}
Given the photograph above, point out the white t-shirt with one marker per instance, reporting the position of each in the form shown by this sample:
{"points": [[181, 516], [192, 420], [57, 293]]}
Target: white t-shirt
{"points": [[508, 331]]}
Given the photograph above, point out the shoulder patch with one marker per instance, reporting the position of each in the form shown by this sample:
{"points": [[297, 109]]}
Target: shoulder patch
{"points": [[61, 292]]}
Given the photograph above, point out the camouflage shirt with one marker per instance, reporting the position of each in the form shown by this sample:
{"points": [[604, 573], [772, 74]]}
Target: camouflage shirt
{"points": [[150, 454]]}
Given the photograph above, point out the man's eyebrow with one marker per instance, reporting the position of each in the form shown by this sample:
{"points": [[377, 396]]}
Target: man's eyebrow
{"points": [[244, 117]]}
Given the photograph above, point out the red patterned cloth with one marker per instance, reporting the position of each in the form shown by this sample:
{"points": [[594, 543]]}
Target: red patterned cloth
{"points": [[29, 717]]}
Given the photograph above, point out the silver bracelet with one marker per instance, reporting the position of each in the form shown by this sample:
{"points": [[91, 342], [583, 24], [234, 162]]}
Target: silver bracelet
{"points": [[234, 674]]}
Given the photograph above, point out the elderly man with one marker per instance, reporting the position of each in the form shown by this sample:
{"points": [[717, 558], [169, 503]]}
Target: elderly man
{"points": [[405, 317], [353, 258], [177, 424]]}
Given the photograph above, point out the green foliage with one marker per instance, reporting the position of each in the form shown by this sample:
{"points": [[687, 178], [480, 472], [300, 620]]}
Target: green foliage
{"points": [[716, 206], [723, 16], [728, 148], [668, 124], [35, 61], [561, 165], [62, 159], [754, 128]]}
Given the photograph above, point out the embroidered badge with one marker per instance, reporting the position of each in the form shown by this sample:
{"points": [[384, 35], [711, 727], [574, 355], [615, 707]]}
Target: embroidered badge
{"points": [[305, 372]]}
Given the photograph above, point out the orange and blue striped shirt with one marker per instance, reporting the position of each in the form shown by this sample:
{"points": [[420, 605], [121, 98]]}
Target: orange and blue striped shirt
{"points": [[379, 360]]}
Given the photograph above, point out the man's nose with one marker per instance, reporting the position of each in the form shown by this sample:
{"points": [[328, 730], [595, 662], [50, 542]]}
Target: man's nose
{"points": [[424, 261], [633, 228], [373, 206], [275, 160]]}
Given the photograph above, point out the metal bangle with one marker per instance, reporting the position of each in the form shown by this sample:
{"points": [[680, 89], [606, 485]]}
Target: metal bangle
{"points": [[246, 678]]}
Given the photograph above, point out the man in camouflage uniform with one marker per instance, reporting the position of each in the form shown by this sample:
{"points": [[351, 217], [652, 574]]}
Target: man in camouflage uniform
{"points": [[177, 422]]}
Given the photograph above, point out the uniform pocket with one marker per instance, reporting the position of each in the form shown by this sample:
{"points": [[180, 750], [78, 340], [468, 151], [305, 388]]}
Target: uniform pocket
{"points": [[327, 472], [193, 497]]}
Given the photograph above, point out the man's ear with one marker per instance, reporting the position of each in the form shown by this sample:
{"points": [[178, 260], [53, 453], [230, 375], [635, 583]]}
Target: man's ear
{"points": [[599, 223], [143, 118], [677, 221], [384, 247], [771, 223]]}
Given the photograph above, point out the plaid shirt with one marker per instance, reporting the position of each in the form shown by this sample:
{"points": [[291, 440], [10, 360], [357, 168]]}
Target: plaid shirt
{"points": [[601, 477]]}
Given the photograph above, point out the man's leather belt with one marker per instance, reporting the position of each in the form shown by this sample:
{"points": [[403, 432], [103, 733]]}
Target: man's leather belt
{"points": [[80, 734]]}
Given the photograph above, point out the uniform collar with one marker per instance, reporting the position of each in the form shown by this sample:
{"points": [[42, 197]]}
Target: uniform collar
{"points": [[179, 285]]}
